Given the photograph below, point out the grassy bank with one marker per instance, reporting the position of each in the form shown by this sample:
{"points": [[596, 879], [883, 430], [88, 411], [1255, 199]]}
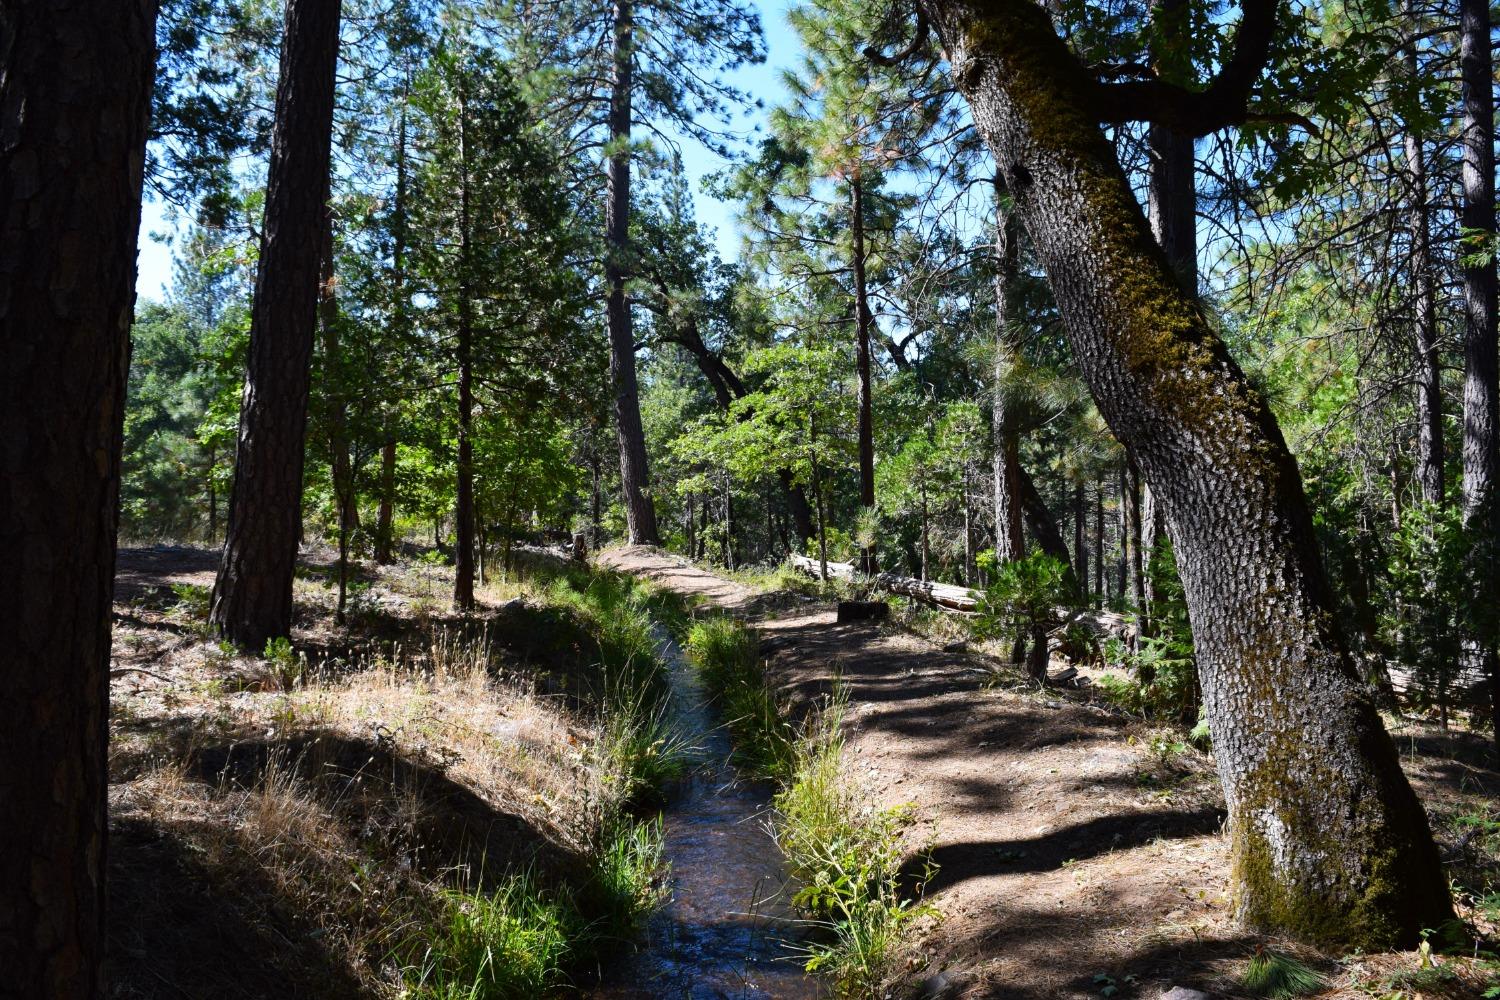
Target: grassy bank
{"points": [[846, 855], [413, 804]]}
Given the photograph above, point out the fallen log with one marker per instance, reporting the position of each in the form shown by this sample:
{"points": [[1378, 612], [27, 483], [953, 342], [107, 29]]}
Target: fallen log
{"points": [[944, 595]]}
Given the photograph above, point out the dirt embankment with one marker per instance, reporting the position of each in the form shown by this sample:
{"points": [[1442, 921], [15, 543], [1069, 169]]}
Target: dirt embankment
{"points": [[1079, 852]]}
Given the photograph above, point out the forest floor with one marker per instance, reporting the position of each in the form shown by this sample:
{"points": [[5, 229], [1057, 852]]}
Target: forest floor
{"points": [[1079, 851], [298, 826]]}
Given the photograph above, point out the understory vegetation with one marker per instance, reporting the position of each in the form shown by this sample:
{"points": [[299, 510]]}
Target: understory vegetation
{"points": [[452, 807], [845, 855]]}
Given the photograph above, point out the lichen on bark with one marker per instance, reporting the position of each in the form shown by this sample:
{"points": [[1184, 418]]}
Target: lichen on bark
{"points": [[1329, 842]]}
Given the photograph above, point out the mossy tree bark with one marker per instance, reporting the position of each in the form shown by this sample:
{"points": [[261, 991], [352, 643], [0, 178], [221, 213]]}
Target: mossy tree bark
{"points": [[75, 84], [252, 600], [1330, 844]]}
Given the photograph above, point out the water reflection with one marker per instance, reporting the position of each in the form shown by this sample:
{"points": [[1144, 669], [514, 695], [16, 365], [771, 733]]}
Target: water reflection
{"points": [[728, 931]]}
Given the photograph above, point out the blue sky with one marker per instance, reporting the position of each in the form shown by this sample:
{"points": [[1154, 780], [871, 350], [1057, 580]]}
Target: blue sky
{"points": [[763, 81]]}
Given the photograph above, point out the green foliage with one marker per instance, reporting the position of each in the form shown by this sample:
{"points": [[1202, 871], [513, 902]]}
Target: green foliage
{"points": [[524, 939], [847, 858], [1164, 681], [511, 944], [1271, 974], [1023, 594], [288, 667], [725, 653]]}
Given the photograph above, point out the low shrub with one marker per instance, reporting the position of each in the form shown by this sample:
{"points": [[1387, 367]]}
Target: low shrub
{"points": [[848, 859]]}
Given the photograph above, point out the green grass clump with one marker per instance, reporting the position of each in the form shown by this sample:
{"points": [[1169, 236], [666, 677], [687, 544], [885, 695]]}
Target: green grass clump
{"points": [[848, 858], [724, 652], [524, 939], [1270, 974], [626, 884], [511, 944]]}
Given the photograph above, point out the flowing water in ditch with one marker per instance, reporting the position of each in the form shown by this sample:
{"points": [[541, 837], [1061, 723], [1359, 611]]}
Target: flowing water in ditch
{"points": [[728, 932]]}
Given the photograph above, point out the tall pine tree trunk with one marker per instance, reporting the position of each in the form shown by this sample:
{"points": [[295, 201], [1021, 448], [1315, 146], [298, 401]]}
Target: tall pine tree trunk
{"points": [[1329, 843], [385, 517], [1010, 541], [75, 90], [1424, 315], [252, 599], [1481, 445], [463, 510], [863, 320], [635, 480]]}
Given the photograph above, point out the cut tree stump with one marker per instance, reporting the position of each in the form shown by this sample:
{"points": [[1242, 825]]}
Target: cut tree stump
{"points": [[863, 611]]}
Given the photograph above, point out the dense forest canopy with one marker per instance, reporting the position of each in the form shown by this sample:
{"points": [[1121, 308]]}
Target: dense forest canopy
{"points": [[1165, 312]]}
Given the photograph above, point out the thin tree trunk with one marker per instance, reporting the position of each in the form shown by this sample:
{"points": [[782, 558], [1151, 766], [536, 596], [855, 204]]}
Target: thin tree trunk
{"points": [[863, 321], [1481, 440], [926, 548], [1424, 308], [75, 90], [463, 512], [1329, 843], [1123, 567], [635, 479], [1010, 541], [340, 467], [1080, 546], [1099, 581], [968, 574], [1133, 520], [384, 519], [252, 598]]}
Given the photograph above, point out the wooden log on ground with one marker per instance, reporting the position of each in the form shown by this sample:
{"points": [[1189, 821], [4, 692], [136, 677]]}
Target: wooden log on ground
{"points": [[944, 595]]}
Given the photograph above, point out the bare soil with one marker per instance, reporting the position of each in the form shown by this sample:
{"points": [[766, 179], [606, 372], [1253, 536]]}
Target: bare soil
{"points": [[277, 836], [1079, 852]]}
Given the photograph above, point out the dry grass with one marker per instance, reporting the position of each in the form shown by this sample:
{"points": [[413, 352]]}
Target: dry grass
{"points": [[271, 842]]}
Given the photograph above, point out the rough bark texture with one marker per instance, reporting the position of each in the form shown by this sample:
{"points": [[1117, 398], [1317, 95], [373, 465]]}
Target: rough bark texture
{"points": [[1481, 442], [863, 321], [1010, 542], [635, 478], [75, 81], [252, 599], [1429, 469], [1329, 842]]}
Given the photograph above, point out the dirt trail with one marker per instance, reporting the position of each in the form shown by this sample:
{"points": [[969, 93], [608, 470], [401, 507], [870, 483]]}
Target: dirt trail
{"points": [[1067, 849]]}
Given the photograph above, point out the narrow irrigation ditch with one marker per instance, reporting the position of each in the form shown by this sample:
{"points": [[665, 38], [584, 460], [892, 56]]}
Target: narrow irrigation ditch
{"points": [[728, 930]]}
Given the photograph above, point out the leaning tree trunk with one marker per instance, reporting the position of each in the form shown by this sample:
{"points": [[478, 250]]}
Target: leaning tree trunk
{"points": [[863, 320], [1481, 491], [1329, 843], [75, 90], [635, 479], [252, 599]]}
